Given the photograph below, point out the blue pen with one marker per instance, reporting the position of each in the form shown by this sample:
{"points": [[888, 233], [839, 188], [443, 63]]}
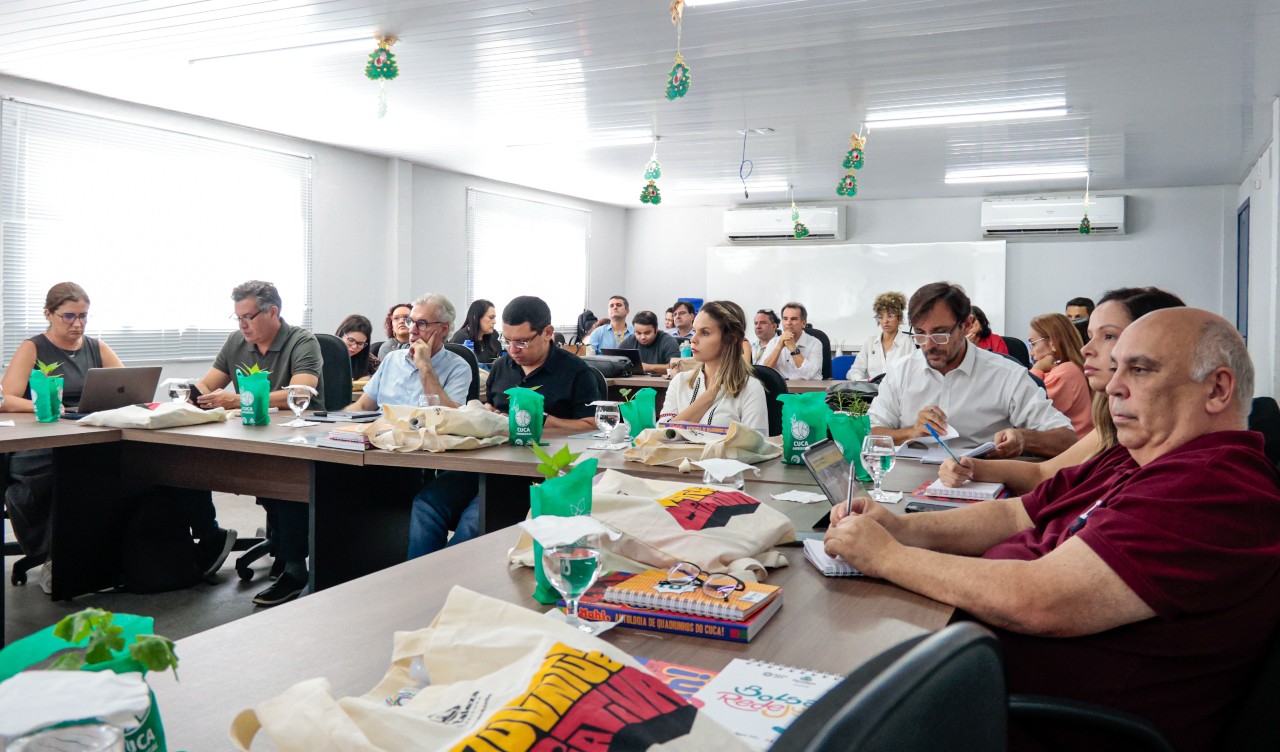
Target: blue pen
{"points": [[931, 430]]}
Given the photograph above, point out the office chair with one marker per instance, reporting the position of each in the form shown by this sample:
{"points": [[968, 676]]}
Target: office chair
{"points": [[1254, 721], [336, 371], [1264, 417], [473, 391], [1018, 350], [774, 385], [840, 366], [945, 690], [600, 382], [822, 337], [373, 347]]}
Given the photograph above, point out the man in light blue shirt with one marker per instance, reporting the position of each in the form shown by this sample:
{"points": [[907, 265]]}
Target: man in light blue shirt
{"points": [[610, 332], [425, 367]]}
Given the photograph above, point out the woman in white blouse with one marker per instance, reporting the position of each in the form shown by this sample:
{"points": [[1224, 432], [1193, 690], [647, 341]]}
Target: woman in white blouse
{"points": [[887, 347], [722, 390]]}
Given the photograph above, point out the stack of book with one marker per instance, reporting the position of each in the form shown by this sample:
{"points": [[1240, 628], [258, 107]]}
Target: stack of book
{"points": [[939, 493], [349, 436], [636, 600]]}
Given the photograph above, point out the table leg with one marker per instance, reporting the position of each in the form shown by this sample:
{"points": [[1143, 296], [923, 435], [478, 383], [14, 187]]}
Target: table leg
{"points": [[91, 508], [359, 520]]}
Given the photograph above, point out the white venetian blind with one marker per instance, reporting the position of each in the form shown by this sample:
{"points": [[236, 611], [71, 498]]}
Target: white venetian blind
{"points": [[521, 247], [157, 226]]}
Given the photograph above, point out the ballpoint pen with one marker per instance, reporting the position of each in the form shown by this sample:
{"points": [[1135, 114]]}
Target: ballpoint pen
{"points": [[935, 435]]}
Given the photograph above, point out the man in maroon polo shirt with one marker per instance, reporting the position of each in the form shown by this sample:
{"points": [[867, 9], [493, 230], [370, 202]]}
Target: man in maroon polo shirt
{"points": [[1145, 579]]}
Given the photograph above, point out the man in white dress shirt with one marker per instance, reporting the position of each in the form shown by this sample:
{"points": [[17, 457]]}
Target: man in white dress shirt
{"points": [[795, 354], [986, 396]]}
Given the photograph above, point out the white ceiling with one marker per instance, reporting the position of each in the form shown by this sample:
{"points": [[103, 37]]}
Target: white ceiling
{"points": [[1161, 92]]}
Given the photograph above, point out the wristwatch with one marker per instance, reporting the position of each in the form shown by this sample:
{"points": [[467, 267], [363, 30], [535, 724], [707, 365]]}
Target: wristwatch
{"points": [[795, 351]]}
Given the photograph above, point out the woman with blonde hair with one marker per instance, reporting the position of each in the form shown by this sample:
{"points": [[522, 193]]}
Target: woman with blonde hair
{"points": [[722, 389], [889, 345], [1054, 343]]}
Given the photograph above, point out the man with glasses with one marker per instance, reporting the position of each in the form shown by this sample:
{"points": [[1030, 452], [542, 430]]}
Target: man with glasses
{"points": [[766, 325], [985, 396], [682, 314], [426, 367], [568, 387], [795, 354], [291, 355]]}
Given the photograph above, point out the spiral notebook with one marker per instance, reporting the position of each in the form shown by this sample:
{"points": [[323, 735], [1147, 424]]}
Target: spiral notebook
{"points": [[647, 590], [831, 566], [758, 700]]}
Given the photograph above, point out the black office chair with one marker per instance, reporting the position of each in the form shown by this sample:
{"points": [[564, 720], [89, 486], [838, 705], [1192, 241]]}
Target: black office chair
{"points": [[774, 385], [374, 346], [336, 371], [945, 690], [1018, 350], [822, 337], [1264, 417], [601, 383], [1254, 724], [473, 391]]}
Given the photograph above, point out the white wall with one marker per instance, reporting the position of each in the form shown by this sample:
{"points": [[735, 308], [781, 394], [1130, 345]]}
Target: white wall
{"points": [[1176, 240], [1261, 188]]}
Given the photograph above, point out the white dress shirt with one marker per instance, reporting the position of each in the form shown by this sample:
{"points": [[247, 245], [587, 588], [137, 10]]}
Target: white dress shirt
{"points": [[872, 359], [748, 408], [809, 347], [759, 351], [985, 394]]}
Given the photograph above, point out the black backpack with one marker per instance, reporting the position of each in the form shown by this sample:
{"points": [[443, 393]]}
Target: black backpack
{"points": [[158, 554], [586, 320]]}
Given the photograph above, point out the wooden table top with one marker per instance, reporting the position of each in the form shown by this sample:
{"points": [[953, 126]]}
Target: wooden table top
{"points": [[345, 633], [28, 433], [662, 382], [234, 436]]}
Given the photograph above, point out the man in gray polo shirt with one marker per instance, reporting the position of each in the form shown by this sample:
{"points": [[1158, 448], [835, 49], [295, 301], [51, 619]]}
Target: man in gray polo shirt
{"points": [[292, 356]]}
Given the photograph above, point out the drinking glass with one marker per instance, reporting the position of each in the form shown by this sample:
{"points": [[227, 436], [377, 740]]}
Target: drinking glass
{"points": [[607, 419], [178, 391], [877, 458], [572, 568], [298, 399], [428, 400], [91, 738]]}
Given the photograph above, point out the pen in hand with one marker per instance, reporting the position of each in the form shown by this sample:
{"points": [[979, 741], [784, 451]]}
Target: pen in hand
{"points": [[943, 443]]}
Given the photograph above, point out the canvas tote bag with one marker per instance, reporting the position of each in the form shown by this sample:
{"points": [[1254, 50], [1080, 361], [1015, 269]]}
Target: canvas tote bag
{"points": [[670, 446], [403, 428]]}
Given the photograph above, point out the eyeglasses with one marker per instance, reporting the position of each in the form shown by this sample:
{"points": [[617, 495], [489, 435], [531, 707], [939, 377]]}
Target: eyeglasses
{"points": [[353, 342], [1032, 342], [719, 586], [880, 317], [423, 323], [71, 318], [940, 338], [517, 344], [243, 319], [399, 319]]}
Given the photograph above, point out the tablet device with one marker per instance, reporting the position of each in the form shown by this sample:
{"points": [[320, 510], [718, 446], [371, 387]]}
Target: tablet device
{"points": [[826, 463], [632, 355]]}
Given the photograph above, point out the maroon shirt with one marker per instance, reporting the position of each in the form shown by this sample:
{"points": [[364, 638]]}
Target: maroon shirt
{"points": [[1196, 535]]}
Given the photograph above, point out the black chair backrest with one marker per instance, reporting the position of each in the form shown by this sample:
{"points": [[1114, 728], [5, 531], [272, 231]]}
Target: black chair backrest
{"points": [[1255, 724], [336, 372], [1264, 417], [374, 347], [822, 337], [473, 391], [1018, 349], [774, 385], [601, 383], [906, 699]]}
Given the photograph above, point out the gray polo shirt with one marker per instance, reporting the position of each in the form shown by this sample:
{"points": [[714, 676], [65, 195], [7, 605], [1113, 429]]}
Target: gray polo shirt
{"points": [[294, 351]]}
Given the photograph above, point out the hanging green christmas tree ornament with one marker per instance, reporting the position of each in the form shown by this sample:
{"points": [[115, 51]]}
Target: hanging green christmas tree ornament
{"points": [[800, 230], [678, 76], [853, 160], [650, 195], [1086, 227], [848, 186], [382, 68]]}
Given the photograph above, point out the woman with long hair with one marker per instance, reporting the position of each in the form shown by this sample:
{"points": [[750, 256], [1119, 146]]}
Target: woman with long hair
{"points": [[480, 326], [722, 390], [355, 331], [980, 334], [1054, 344], [1117, 310], [397, 327]]}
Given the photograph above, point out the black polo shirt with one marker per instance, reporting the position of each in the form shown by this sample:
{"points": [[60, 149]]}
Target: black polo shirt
{"points": [[566, 383]]}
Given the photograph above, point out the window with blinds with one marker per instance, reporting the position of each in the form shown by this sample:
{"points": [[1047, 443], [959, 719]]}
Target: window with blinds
{"points": [[157, 226], [521, 247]]}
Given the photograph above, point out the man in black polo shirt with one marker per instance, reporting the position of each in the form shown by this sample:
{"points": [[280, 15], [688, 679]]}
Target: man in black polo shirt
{"points": [[568, 388]]}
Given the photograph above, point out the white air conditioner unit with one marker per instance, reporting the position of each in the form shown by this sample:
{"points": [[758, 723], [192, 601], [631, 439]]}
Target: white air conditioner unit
{"points": [[1022, 216], [751, 223]]}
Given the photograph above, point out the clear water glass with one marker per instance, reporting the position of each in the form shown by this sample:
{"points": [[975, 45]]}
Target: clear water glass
{"points": [[428, 400], [878, 457], [97, 737], [178, 391], [572, 568], [607, 418], [298, 400]]}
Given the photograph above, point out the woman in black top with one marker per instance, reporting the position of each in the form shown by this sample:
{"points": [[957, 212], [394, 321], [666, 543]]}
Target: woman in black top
{"points": [[355, 331], [481, 320]]}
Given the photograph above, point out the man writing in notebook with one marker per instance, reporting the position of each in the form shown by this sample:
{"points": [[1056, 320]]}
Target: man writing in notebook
{"points": [[950, 382], [1147, 578]]}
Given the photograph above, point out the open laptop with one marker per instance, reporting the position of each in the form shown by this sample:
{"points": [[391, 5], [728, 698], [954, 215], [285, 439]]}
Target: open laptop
{"points": [[109, 388], [632, 355]]}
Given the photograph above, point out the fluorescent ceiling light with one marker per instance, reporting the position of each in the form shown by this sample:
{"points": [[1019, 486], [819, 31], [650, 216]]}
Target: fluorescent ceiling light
{"points": [[591, 143], [368, 44], [732, 186], [1009, 173], [1025, 109]]}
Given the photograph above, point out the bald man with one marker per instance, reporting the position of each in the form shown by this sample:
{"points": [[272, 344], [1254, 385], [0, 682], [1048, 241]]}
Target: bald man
{"points": [[1147, 578]]}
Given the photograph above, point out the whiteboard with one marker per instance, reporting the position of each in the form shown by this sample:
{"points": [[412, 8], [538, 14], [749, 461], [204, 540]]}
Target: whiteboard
{"points": [[838, 283]]}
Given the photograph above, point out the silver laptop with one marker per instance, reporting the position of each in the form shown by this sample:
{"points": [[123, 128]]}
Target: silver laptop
{"points": [[109, 388], [631, 354]]}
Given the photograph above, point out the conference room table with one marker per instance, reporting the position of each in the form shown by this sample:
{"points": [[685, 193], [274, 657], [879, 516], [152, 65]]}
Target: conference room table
{"points": [[662, 382], [344, 634]]}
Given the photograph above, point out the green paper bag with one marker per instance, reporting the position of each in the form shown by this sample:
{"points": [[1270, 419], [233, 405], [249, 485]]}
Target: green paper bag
{"points": [[42, 647], [804, 423], [566, 496], [524, 416], [848, 431], [46, 396], [255, 397], [639, 411]]}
